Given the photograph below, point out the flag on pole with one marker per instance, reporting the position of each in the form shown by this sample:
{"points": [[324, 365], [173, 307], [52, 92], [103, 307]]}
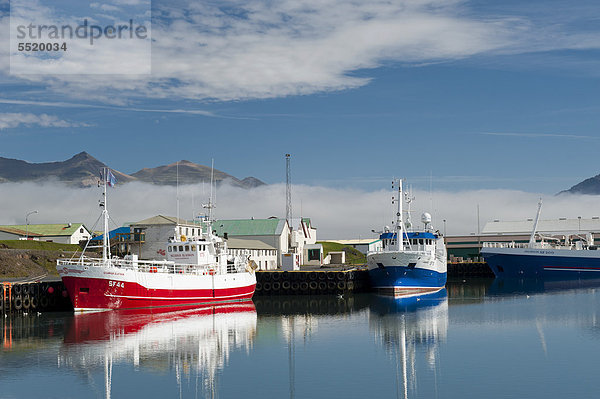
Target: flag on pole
{"points": [[109, 178]]}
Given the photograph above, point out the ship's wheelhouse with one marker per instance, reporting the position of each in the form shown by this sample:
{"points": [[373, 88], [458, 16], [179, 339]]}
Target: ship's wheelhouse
{"points": [[417, 241]]}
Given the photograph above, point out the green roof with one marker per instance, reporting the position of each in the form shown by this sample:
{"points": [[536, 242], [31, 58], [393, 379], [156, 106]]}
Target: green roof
{"points": [[43, 229], [249, 227]]}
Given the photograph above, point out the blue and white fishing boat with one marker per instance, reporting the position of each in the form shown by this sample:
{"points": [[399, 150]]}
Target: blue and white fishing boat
{"points": [[573, 256], [414, 263]]}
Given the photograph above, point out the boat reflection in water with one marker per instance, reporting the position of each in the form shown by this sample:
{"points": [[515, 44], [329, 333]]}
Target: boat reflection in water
{"points": [[407, 326], [184, 341]]}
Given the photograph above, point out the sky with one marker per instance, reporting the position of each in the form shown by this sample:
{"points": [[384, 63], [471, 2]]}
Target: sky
{"points": [[455, 96]]}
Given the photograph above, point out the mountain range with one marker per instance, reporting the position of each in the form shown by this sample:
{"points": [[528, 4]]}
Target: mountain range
{"points": [[82, 170]]}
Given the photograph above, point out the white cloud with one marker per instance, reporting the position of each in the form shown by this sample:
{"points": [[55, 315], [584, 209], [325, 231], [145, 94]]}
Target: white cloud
{"points": [[16, 119], [337, 213], [261, 49]]}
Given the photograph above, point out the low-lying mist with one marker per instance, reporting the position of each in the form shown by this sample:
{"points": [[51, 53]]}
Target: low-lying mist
{"points": [[337, 213]]}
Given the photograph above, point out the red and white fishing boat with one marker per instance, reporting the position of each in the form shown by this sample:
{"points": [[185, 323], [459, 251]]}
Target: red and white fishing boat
{"points": [[198, 270]]}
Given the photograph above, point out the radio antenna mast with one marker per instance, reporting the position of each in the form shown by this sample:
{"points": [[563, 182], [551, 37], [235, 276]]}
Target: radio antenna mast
{"points": [[288, 189]]}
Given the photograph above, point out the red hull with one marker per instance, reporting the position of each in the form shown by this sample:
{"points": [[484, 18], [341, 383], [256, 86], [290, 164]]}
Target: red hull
{"points": [[102, 326], [93, 293]]}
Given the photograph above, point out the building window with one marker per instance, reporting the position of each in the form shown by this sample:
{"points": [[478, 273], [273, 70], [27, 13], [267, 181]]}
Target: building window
{"points": [[81, 230], [170, 248], [187, 248], [181, 248]]}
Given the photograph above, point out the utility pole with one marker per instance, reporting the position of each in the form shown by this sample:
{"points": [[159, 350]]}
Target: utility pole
{"points": [[288, 189]]}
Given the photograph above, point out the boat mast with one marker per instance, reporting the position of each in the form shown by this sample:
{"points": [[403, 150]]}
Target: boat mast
{"points": [[399, 223], [105, 239], [537, 217]]}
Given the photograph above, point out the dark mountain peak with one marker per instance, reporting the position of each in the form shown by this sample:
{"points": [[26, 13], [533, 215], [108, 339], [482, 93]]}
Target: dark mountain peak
{"points": [[588, 186], [82, 156], [80, 170], [251, 182]]}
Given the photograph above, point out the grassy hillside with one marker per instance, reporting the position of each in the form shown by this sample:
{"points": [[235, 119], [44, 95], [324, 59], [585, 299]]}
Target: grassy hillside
{"points": [[353, 256], [39, 245]]}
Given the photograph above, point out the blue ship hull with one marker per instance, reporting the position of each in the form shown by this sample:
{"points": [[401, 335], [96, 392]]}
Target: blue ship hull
{"points": [[537, 266], [406, 278]]}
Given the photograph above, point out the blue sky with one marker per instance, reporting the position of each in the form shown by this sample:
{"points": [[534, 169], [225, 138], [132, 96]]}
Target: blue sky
{"points": [[467, 94]]}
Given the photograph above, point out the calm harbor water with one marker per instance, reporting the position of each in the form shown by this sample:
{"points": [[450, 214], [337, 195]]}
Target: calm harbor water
{"points": [[484, 338]]}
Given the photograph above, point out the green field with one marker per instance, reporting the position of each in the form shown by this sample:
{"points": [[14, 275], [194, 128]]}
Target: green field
{"points": [[39, 245], [353, 256]]}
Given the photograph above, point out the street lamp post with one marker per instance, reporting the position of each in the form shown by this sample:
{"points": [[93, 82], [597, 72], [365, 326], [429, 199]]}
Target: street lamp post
{"points": [[27, 224]]}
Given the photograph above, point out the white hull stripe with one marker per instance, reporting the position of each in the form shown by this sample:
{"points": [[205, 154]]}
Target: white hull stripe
{"points": [[174, 298], [571, 269]]}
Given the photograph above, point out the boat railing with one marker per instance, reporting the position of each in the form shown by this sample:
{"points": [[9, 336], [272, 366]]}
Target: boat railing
{"points": [[505, 244], [152, 266], [512, 244]]}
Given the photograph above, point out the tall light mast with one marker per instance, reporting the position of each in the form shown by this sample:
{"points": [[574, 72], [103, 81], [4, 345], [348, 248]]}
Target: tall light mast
{"points": [[288, 189]]}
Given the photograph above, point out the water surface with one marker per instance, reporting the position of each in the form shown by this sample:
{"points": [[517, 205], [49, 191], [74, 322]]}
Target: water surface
{"points": [[483, 338]]}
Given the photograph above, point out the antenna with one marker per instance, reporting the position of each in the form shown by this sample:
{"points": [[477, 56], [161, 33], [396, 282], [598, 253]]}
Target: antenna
{"points": [[210, 204], [177, 184], [288, 189]]}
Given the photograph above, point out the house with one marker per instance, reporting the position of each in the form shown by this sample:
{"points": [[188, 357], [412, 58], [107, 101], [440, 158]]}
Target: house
{"points": [[119, 240], [68, 233], [273, 231], [264, 255]]}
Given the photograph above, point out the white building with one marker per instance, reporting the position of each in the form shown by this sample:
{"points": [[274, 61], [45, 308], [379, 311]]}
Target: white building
{"points": [[264, 255], [68, 233], [149, 237], [272, 231], [364, 245], [276, 233]]}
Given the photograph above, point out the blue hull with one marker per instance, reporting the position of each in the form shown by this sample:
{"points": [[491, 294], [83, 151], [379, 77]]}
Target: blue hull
{"points": [[402, 277], [384, 305], [532, 266]]}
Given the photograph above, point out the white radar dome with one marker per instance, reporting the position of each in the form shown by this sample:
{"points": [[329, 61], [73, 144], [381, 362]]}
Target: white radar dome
{"points": [[426, 218]]}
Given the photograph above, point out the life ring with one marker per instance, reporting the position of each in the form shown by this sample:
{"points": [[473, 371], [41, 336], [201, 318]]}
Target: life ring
{"points": [[18, 302], [44, 302], [211, 272], [183, 238], [153, 269]]}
